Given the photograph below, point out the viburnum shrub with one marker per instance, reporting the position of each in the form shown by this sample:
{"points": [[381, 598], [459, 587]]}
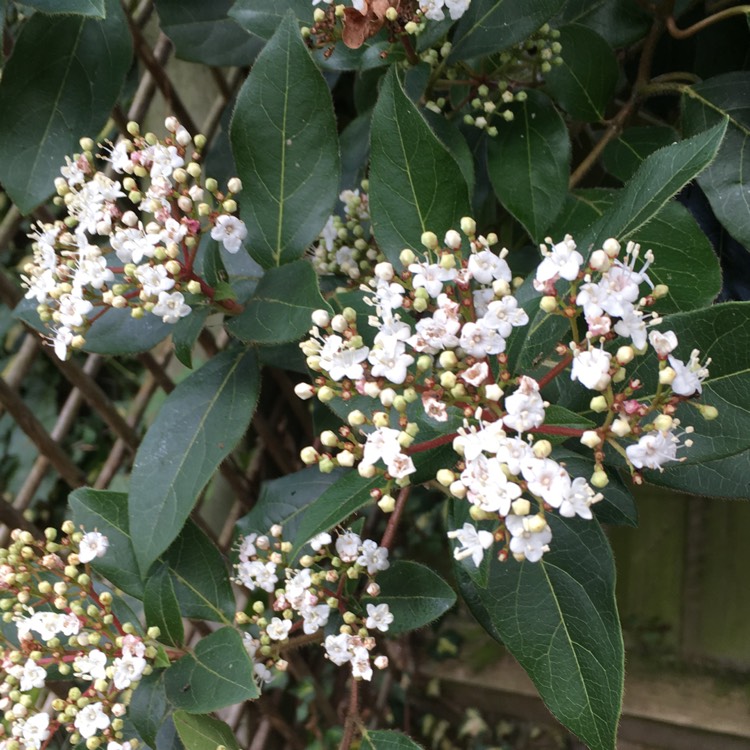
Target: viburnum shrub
{"points": [[455, 222]]}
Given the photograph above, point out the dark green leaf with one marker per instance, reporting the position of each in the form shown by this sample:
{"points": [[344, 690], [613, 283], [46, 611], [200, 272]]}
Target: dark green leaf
{"points": [[199, 424], [559, 619], [148, 706], [218, 674], [291, 174], [50, 100], [415, 595], [494, 25], [415, 184], [529, 163], [93, 8], [453, 139], [285, 501], [263, 17], [168, 739], [585, 82], [721, 332], [725, 477], [684, 260], [582, 208], [658, 178], [354, 140], [162, 608], [107, 512], [620, 22], [200, 732], [559, 416], [281, 307], [624, 155], [200, 578], [725, 181], [385, 739], [204, 32], [185, 333]]}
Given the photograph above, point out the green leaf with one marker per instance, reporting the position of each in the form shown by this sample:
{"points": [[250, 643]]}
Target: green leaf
{"points": [[218, 674], [200, 577], [50, 100], [453, 139], [559, 416], [624, 155], [724, 477], [725, 181], [107, 512], [148, 706], [620, 22], [197, 568], [185, 333], [684, 260], [93, 8], [285, 501], [529, 164], [201, 732], [582, 208], [494, 25], [162, 608], [658, 178], [354, 141], [386, 739], [204, 32], [415, 595], [198, 426], [281, 307], [585, 82], [559, 619], [346, 496], [263, 17], [415, 184], [721, 332], [291, 174]]}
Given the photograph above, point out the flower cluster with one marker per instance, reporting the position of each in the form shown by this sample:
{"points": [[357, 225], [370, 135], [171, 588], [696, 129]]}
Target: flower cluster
{"points": [[433, 354], [345, 245], [129, 242], [491, 93], [315, 599], [65, 629]]}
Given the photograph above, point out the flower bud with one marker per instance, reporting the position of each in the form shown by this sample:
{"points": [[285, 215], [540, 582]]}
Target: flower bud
{"points": [[346, 458], [663, 422], [590, 439], [493, 392], [707, 412], [625, 355], [660, 290], [521, 507], [380, 419], [445, 477], [407, 257], [387, 503], [326, 394], [234, 185], [458, 489], [429, 240], [599, 479], [600, 261], [448, 359], [452, 239], [542, 448], [477, 514], [366, 471], [448, 380], [329, 439], [667, 376], [611, 247], [309, 455], [391, 14], [548, 304], [468, 226], [229, 205], [620, 427], [599, 404]]}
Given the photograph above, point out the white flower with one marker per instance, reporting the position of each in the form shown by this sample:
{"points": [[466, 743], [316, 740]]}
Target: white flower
{"points": [[32, 676], [472, 543], [579, 499], [400, 466], [337, 648], [653, 450], [348, 546], [320, 540], [230, 231], [390, 361], [93, 544], [154, 279], [591, 368], [431, 276], [688, 377], [128, 669], [361, 663], [257, 574], [531, 536], [91, 665], [525, 406], [315, 618], [278, 629], [171, 307], [90, 719], [35, 730], [563, 260], [373, 558], [664, 343], [485, 267], [378, 616]]}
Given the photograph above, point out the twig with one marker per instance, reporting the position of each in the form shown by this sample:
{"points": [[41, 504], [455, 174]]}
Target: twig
{"points": [[394, 520], [352, 717], [678, 33]]}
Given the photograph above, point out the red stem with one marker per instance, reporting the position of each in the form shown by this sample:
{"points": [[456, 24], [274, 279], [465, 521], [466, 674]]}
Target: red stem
{"points": [[393, 521], [555, 371]]}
